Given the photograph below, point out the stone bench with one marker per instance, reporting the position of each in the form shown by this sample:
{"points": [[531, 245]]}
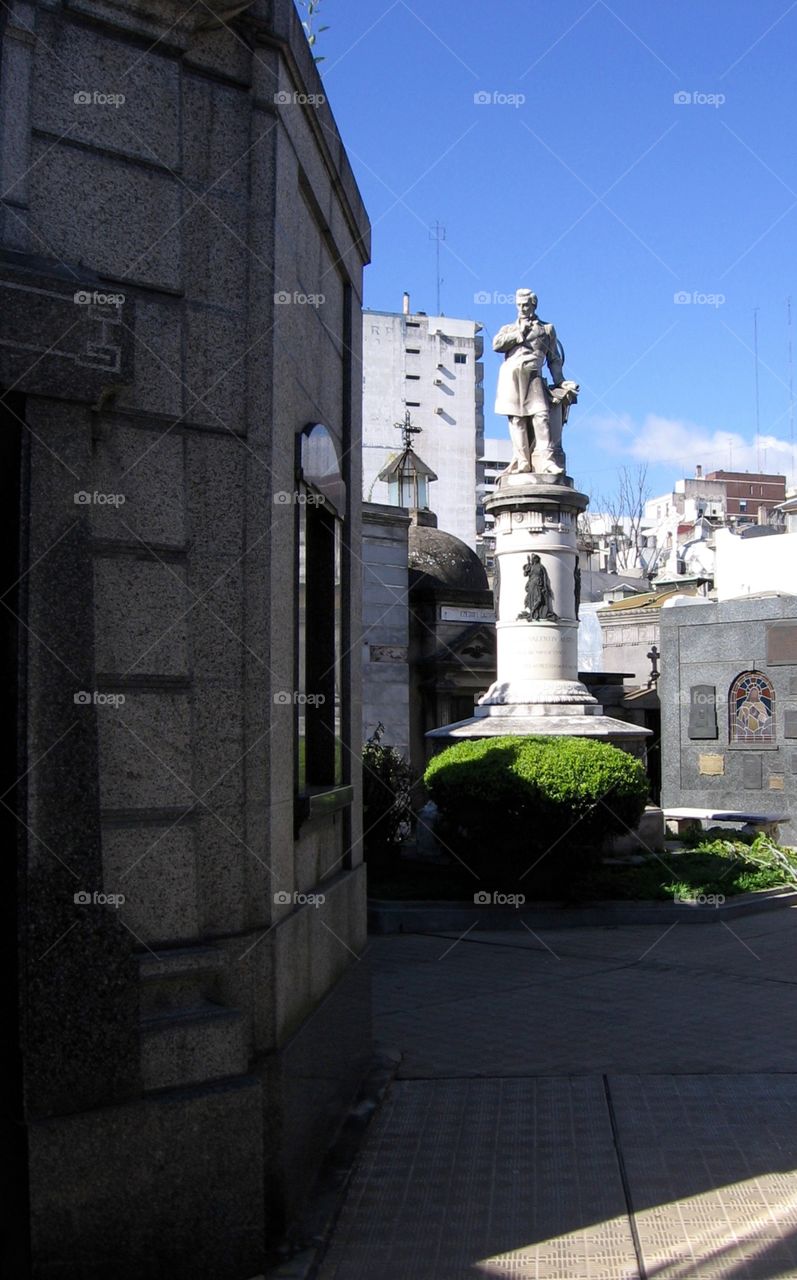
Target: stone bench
{"points": [[680, 820]]}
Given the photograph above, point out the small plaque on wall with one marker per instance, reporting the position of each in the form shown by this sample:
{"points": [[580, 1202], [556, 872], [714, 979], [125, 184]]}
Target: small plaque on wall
{"points": [[753, 773], [776, 782], [711, 766], [790, 724], [703, 711]]}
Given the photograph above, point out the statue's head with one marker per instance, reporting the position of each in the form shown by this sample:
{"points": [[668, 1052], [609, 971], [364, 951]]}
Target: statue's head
{"points": [[535, 560], [526, 302]]}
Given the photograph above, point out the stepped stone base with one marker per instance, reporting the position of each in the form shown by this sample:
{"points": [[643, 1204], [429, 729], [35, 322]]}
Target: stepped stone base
{"points": [[556, 719]]}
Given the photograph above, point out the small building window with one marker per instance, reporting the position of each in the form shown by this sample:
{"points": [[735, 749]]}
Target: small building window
{"points": [[742, 505], [751, 709], [460, 358], [413, 324], [413, 404], [413, 377], [413, 351]]}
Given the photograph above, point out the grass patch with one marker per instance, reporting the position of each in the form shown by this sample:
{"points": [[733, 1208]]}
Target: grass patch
{"points": [[714, 866]]}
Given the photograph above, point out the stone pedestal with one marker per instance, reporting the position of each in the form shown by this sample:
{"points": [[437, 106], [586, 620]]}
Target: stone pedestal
{"points": [[537, 690]]}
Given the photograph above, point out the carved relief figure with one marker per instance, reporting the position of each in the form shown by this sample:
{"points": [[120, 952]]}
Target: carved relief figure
{"points": [[539, 595]]}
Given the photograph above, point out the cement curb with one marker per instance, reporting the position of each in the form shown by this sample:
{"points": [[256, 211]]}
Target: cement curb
{"points": [[386, 917]]}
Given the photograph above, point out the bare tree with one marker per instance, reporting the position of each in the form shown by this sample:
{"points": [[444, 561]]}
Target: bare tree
{"points": [[625, 509]]}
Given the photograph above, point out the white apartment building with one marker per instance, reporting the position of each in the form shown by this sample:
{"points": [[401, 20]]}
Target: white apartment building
{"points": [[496, 459], [432, 366]]}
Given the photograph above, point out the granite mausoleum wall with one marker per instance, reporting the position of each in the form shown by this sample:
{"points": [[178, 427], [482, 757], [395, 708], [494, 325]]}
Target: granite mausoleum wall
{"points": [[181, 298], [709, 759]]}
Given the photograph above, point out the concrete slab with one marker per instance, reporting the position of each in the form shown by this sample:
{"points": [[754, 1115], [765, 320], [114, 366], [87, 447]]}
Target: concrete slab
{"points": [[578, 1104]]}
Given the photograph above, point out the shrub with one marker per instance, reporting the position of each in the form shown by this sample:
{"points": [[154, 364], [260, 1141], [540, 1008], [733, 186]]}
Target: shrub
{"points": [[511, 804], [387, 786]]}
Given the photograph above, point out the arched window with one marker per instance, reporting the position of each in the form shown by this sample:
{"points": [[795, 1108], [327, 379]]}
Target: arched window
{"points": [[751, 709], [321, 511]]}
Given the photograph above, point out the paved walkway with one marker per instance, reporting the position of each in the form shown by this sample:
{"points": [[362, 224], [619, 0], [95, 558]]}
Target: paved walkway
{"points": [[601, 1104]]}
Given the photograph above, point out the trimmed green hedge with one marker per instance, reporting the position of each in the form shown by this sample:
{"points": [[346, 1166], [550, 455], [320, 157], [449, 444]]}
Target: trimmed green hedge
{"points": [[508, 803]]}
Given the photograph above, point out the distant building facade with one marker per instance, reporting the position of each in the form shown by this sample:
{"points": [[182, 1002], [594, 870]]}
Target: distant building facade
{"points": [[181, 282], [432, 366], [750, 495], [678, 528]]}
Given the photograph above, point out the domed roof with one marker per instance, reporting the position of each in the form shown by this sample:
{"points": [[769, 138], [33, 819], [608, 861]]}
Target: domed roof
{"points": [[441, 560]]}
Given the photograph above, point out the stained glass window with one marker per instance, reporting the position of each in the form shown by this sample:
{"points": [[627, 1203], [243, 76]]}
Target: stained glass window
{"points": [[751, 709]]}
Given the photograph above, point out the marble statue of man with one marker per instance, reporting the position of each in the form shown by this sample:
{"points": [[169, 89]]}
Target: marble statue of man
{"points": [[536, 411]]}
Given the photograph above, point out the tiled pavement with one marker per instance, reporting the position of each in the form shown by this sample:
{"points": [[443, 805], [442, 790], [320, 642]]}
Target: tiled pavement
{"points": [[598, 1104]]}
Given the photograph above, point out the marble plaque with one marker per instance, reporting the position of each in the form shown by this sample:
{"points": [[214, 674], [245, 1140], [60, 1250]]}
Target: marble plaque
{"points": [[752, 772], [703, 711]]}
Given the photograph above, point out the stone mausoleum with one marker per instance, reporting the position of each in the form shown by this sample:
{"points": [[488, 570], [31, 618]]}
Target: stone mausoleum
{"points": [[728, 691], [181, 262], [429, 628]]}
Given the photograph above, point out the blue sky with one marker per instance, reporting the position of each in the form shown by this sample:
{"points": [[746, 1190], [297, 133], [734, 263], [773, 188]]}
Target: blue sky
{"points": [[584, 179]]}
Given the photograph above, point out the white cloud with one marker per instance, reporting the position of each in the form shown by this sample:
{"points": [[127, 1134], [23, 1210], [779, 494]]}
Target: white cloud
{"points": [[683, 444]]}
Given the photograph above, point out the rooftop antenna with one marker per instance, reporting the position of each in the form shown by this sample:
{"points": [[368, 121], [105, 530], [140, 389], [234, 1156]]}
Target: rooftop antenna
{"points": [[757, 409], [438, 234], [791, 389]]}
